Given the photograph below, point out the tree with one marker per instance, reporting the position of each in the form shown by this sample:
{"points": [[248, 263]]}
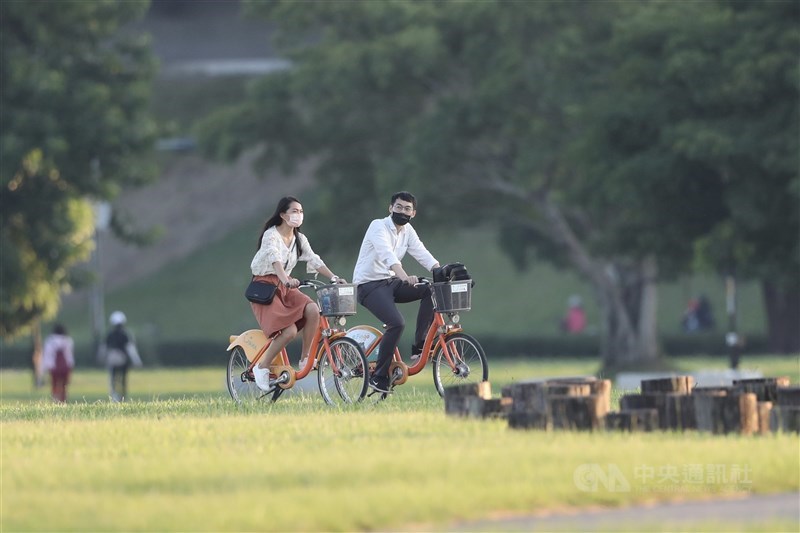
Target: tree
{"points": [[75, 128], [547, 118], [714, 99]]}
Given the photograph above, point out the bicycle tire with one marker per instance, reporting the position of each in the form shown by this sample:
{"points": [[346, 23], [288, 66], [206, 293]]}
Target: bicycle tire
{"points": [[241, 386], [350, 385], [472, 366]]}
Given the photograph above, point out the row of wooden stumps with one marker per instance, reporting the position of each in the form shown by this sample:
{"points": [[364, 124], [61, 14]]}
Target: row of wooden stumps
{"points": [[584, 403]]}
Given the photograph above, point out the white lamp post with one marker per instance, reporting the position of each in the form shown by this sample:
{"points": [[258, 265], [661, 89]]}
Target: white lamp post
{"points": [[102, 221]]}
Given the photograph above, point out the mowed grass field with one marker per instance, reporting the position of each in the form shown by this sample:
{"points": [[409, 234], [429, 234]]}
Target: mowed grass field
{"points": [[181, 456]]}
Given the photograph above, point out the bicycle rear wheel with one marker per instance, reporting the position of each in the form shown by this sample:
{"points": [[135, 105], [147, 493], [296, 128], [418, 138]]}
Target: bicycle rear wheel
{"points": [[469, 362], [241, 384], [342, 372]]}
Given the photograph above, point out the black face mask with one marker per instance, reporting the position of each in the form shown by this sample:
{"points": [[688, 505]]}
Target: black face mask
{"points": [[401, 219]]}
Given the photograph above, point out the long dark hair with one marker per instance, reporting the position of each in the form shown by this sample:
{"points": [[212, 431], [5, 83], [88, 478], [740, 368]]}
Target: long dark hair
{"points": [[276, 220]]}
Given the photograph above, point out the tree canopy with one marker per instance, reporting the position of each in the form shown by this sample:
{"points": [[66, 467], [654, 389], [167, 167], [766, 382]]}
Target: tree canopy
{"points": [[627, 140], [75, 129]]}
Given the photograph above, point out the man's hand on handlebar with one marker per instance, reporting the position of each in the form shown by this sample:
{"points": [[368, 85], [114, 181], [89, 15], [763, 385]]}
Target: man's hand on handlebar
{"points": [[411, 280]]}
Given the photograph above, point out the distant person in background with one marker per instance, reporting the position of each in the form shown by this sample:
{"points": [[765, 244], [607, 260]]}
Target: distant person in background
{"points": [[698, 315], [689, 321], [705, 315], [58, 359], [575, 319], [119, 352]]}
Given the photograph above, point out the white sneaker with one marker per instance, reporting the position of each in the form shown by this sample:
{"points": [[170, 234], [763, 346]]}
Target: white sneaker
{"points": [[262, 377], [302, 364]]}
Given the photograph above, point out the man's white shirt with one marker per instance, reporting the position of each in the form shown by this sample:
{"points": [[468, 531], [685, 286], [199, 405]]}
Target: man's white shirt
{"points": [[383, 246]]}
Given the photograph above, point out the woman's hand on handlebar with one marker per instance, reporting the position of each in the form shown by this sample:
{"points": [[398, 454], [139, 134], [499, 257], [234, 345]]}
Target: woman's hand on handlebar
{"points": [[293, 283]]}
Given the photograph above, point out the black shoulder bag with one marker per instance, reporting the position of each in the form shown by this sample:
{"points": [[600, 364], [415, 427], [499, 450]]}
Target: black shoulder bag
{"points": [[262, 292]]}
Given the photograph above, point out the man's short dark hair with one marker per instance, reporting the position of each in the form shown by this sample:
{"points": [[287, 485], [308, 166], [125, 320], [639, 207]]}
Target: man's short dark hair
{"points": [[406, 197]]}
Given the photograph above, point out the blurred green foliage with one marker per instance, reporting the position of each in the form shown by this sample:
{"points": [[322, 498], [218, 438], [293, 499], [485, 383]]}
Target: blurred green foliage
{"points": [[75, 129], [596, 134]]}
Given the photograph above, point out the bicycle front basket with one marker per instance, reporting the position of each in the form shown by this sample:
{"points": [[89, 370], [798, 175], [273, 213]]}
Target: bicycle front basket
{"points": [[337, 300], [453, 296]]}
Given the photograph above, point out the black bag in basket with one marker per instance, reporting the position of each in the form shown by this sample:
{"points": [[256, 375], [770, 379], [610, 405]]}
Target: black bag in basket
{"points": [[260, 292], [451, 272]]}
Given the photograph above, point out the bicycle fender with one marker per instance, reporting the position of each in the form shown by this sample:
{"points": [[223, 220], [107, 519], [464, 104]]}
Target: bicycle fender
{"points": [[364, 335], [251, 341]]}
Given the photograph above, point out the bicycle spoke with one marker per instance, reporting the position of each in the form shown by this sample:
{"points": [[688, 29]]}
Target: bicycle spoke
{"points": [[466, 363], [341, 374], [241, 385]]}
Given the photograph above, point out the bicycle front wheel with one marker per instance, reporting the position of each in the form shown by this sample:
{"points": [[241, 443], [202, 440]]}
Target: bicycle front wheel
{"points": [[467, 365], [342, 372], [241, 384]]}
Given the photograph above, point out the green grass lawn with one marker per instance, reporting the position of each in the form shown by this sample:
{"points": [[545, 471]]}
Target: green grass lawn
{"points": [[183, 457]]}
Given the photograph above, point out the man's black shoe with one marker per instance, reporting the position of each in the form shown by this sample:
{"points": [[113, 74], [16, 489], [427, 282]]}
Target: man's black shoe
{"points": [[380, 384]]}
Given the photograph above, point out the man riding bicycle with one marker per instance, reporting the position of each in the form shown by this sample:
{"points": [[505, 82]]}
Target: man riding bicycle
{"points": [[382, 281]]}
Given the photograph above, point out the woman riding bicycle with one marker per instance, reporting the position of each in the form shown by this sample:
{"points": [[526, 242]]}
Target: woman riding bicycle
{"points": [[280, 247]]}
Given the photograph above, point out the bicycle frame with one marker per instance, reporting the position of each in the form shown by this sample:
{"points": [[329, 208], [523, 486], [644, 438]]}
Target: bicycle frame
{"points": [[255, 344], [437, 335]]}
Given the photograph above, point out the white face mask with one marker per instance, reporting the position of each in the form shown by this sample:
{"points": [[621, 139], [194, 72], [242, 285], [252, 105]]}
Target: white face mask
{"points": [[295, 220]]}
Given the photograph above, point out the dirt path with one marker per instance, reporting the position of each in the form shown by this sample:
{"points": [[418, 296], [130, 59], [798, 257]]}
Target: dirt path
{"points": [[735, 512], [194, 201]]}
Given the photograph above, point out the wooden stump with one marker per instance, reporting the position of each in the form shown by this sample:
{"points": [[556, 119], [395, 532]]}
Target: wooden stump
{"points": [[600, 387], [529, 397], [467, 399], [577, 412], [496, 408], [765, 389], [713, 391], [785, 418], [557, 388], [675, 409], [633, 420], [530, 420], [764, 415], [630, 402], [726, 414], [679, 384], [677, 412], [564, 403], [788, 396]]}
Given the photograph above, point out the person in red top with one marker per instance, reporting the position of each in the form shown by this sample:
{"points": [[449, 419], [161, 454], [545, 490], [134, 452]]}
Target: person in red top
{"points": [[59, 360], [575, 320]]}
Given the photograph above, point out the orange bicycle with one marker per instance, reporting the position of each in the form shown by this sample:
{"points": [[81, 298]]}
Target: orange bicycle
{"points": [[342, 368], [457, 357]]}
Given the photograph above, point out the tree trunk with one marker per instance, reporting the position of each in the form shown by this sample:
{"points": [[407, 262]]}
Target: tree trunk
{"points": [[627, 295], [783, 316]]}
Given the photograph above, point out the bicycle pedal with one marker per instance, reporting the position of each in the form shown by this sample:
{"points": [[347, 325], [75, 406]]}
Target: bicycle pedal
{"points": [[277, 394], [384, 395]]}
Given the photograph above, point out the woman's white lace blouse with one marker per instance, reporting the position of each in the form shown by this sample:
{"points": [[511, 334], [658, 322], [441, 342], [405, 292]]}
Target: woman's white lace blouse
{"points": [[273, 249]]}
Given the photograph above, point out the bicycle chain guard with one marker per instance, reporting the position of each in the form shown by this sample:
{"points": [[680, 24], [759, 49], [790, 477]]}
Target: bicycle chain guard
{"points": [[402, 372], [278, 370]]}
